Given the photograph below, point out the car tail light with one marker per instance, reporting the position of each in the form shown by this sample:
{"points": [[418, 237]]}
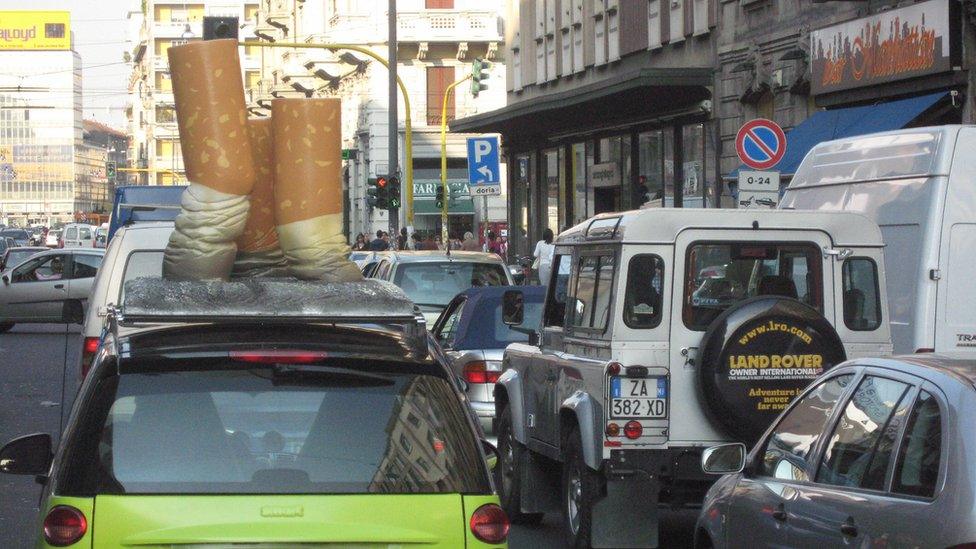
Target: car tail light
{"points": [[64, 525], [633, 429], [477, 372], [613, 369], [88, 350], [489, 523], [613, 430], [278, 356]]}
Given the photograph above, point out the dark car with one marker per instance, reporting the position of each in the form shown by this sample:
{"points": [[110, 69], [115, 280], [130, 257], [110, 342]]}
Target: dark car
{"points": [[16, 255], [20, 236], [298, 413], [876, 453], [474, 336]]}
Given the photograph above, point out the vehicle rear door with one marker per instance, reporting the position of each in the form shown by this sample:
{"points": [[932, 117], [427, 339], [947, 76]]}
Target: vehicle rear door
{"points": [[84, 267], [71, 237], [37, 290], [714, 269]]}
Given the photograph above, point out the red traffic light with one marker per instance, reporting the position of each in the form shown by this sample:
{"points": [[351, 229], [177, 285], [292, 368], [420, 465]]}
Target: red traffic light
{"points": [[381, 182]]}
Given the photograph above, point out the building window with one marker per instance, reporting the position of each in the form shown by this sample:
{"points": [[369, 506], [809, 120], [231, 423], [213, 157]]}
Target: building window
{"points": [[555, 190], [438, 79], [650, 169], [439, 4]]}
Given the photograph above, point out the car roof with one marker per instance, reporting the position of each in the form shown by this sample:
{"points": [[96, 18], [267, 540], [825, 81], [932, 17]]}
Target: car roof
{"points": [[961, 367], [417, 256], [662, 225]]}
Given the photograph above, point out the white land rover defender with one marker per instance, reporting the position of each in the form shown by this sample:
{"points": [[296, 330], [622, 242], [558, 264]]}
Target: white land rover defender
{"points": [[667, 331]]}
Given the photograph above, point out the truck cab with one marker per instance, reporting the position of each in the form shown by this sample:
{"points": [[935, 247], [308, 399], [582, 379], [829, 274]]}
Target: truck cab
{"points": [[666, 331]]}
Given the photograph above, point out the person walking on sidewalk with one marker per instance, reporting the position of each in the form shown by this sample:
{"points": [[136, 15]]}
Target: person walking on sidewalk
{"points": [[470, 243], [543, 257]]}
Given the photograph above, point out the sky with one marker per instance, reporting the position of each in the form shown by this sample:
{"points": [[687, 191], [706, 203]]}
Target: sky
{"points": [[99, 28]]}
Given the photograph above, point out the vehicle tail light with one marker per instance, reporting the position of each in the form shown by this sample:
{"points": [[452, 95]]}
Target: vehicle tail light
{"points": [[64, 526], [477, 372], [613, 430], [489, 523], [278, 356], [88, 350], [613, 369], [633, 429]]}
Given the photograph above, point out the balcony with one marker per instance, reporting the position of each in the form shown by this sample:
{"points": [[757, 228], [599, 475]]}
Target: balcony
{"points": [[448, 26], [177, 29], [279, 15]]}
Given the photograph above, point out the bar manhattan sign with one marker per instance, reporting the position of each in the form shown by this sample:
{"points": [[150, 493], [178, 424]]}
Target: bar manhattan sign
{"points": [[893, 45]]}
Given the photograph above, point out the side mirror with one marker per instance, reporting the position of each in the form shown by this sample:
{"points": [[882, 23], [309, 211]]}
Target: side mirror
{"points": [[72, 312], [462, 383], [513, 310], [6, 280], [27, 455], [491, 454], [724, 459]]}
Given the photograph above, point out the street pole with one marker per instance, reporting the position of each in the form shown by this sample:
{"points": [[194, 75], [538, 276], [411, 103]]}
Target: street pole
{"points": [[447, 192], [394, 125]]}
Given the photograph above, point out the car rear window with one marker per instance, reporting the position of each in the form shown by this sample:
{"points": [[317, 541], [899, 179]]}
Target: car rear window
{"points": [[15, 233], [436, 283], [276, 430], [140, 264]]}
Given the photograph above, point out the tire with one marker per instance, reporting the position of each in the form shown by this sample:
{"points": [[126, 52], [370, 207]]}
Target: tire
{"points": [[579, 490], [507, 472], [6, 326]]}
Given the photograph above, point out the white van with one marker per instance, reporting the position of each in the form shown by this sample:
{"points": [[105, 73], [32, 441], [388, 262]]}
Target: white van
{"points": [[78, 235], [919, 186]]}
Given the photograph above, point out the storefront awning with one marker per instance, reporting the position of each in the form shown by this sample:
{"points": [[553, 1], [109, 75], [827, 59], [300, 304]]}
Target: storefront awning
{"points": [[429, 207], [848, 122], [626, 98]]}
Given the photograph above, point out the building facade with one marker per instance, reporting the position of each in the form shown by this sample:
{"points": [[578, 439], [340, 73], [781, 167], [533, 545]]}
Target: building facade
{"points": [[609, 107], [437, 41], [155, 150], [40, 121]]}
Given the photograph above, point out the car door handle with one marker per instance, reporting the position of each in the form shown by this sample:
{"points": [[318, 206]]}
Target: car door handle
{"points": [[59, 286], [780, 513], [848, 528]]}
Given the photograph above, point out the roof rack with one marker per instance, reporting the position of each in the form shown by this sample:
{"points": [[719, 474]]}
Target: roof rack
{"points": [[157, 301]]}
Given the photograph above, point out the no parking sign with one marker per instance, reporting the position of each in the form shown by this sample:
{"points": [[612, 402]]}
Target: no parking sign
{"points": [[760, 144]]}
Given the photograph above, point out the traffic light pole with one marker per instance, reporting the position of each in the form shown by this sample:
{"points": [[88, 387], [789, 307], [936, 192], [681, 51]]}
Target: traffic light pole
{"points": [[445, 238], [394, 125]]}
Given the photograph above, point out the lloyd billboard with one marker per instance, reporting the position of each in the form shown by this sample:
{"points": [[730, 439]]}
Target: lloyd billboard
{"points": [[893, 45], [35, 30]]}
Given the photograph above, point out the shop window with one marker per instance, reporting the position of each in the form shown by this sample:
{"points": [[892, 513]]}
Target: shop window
{"points": [[555, 190], [438, 79], [693, 166], [862, 302], [578, 176], [650, 169]]}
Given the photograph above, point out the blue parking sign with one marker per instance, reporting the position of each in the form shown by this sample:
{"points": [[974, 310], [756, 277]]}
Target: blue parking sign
{"points": [[484, 177]]}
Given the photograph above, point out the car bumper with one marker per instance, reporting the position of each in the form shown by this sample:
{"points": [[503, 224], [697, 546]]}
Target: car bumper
{"points": [[485, 412]]}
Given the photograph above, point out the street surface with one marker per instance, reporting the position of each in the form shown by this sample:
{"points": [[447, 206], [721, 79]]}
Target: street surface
{"points": [[31, 368]]}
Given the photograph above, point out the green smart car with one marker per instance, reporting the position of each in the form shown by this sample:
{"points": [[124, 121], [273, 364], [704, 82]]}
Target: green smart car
{"points": [[335, 424]]}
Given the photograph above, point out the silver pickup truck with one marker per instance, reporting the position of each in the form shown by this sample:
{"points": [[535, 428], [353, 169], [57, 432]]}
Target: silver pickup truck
{"points": [[666, 331]]}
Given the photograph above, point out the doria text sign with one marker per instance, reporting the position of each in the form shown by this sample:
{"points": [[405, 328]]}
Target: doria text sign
{"points": [[484, 177], [892, 45]]}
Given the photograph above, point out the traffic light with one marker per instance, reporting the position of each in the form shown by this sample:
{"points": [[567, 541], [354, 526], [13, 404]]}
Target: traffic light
{"points": [[382, 194], [393, 192], [439, 197], [110, 171], [371, 192], [479, 76]]}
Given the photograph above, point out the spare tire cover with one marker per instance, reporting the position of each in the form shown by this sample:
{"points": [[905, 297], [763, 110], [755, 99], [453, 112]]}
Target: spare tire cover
{"points": [[757, 356]]}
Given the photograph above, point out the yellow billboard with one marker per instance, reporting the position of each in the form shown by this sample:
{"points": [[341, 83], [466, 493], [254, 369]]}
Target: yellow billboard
{"points": [[35, 30]]}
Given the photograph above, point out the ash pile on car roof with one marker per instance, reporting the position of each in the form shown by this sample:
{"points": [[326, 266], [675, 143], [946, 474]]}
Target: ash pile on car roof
{"points": [[263, 297]]}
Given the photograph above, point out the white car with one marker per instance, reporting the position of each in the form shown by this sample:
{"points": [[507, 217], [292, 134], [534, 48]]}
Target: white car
{"points": [[135, 251], [78, 235], [53, 238]]}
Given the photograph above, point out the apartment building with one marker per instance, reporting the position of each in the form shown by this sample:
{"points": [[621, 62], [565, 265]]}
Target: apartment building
{"points": [[158, 26], [609, 107], [437, 41]]}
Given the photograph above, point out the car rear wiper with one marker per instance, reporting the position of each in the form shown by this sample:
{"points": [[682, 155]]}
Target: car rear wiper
{"points": [[306, 374], [435, 305]]}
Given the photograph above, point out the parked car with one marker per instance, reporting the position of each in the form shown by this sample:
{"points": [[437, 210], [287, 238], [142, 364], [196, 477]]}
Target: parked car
{"points": [[361, 258], [876, 453], [53, 238], [37, 234], [78, 235], [16, 255], [35, 290], [135, 251], [432, 278], [20, 236], [336, 425], [605, 414], [5, 243], [917, 185], [473, 334]]}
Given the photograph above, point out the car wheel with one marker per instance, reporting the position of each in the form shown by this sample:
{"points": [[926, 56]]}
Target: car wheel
{"points": [[580, 488], [6, 326], [508, 473]]}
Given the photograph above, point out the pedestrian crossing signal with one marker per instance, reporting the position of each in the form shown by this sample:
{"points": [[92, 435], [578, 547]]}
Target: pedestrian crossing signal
{"points": [[393, 192]]}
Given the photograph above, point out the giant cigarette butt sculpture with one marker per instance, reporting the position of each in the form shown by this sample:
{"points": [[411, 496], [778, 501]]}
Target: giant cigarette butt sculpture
{"points": [[258, 252], [308, 189], [212, 116]]}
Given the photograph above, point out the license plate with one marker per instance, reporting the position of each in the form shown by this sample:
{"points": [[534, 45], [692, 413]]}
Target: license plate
{"points": [[638, 397]]}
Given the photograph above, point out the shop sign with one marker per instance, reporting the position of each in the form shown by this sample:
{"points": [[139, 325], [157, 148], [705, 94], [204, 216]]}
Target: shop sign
{"points": [[604, 175], [893, 45], [427, 188]]}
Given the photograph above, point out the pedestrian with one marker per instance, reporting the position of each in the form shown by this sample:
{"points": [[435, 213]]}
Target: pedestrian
{"points": [[389, 243], [470, 243], [360, 244], [438, 242], [418, 241], [378, 244], [402, 239], [495, 245], [542, 255]]}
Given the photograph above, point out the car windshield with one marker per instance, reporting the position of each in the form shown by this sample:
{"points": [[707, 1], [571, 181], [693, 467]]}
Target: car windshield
{"points": [[342, 428], [433, 285]]}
